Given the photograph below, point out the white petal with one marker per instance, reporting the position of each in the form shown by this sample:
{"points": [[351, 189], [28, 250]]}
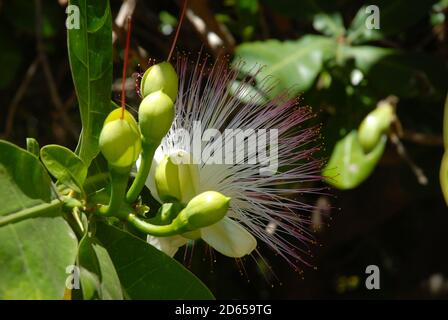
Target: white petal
{"points": [[150, 183], [169, 245], [229, 238]]}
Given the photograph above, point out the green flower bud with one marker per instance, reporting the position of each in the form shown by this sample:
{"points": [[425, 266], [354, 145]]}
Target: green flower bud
{"points": [[202, 211], [120, 140], [155, 116], [161, 76], [374, 125], [177, 178]]}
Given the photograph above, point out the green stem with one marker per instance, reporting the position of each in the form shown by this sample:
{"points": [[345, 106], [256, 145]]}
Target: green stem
{"points": [[155, 230], [148, 150], [119, 182], [35, 211]]}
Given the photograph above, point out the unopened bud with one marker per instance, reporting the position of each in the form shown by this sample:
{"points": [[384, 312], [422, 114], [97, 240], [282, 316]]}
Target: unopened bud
{"points": [[120, 140], [203, 210], [161, 76], [155, 116], [375, 124]]}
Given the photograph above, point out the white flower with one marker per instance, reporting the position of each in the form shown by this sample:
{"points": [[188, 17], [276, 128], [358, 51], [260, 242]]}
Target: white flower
{"points": [[226, 236], [258, 199]]}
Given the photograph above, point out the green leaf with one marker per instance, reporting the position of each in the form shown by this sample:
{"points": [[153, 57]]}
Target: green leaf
{"points": [[34, 252], [65, 166], [444, 164], [147, 273], [98, 276], [293, 64], [395, 16], [90, 55], [329, 24], [32, 146], [34, 256], [349, 166], [24, 183]]}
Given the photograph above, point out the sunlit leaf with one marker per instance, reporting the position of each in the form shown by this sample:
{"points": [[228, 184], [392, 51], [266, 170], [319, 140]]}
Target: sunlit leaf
{"points": [[64, 165], [35, 250], [34, 256], [293, 65], [90, 55], [24, 183]]}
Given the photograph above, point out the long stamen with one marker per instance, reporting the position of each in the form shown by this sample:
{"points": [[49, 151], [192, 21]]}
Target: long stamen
{"points": [[123, 79], [184, 9]]}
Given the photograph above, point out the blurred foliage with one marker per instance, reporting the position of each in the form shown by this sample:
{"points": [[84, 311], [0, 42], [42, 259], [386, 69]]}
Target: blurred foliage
{"points": [[347, 70]]}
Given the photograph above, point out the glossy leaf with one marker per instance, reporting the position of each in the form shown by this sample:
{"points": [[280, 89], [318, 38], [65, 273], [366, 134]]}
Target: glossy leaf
{"points": [[349, 166], [147, 273], [64, 165], [34, 256], [34, 252], [90, 55], [99, 278], [24, 183], [292, 64]]}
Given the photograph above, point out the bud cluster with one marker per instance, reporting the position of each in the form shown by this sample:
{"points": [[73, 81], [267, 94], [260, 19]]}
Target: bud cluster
{"points": [[123, 140]]}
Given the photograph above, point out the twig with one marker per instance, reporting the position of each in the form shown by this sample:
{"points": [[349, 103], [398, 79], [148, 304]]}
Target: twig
{"points": [[421, 177], [19, 96], [213, 33], [126, 10], [55, 98], [423, 138]]}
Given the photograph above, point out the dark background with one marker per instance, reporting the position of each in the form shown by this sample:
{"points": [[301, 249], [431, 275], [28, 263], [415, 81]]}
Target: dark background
{"points": [[391, 220]]}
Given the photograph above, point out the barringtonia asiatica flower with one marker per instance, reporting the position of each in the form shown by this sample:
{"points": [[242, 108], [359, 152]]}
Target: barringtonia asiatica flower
{"points": [[255, 150]]}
